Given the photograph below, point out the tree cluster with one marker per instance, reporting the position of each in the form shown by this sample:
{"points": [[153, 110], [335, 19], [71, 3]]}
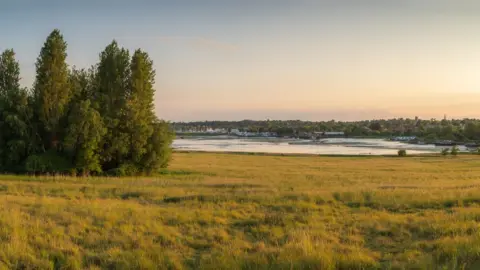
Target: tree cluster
{"points": [[78, 121], [428, 129]]}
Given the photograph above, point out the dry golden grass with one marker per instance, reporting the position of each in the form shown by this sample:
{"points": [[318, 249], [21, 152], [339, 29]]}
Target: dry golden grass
{"points": [[225, 211]]}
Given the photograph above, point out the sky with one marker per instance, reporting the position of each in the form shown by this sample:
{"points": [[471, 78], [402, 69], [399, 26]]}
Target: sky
{"points": [[274, 59]]}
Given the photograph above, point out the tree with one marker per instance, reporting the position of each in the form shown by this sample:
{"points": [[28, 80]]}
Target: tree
{"points": [[9, 73], [375, 126], [51, 91], [447, 131], [112, 82], [472, 131], [15, 129], [139, 105]]}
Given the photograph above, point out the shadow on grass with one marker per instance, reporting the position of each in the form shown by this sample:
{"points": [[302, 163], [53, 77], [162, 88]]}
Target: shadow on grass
{"points": [[184, 173], [234, 186], [199, 198]]}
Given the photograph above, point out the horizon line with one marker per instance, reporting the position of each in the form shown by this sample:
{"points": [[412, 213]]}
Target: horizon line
{"points": [[381, 119]]}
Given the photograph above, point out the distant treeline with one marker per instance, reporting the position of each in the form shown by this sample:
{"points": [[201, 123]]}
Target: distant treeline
{"points": [[78, 121], [432, 129]]}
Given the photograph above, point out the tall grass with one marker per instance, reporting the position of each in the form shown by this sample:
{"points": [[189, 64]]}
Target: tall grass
{"points": [[224, 211]]}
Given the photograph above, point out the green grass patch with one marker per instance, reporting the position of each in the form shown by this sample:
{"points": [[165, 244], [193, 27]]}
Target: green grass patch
{"points": [[230, 211]]}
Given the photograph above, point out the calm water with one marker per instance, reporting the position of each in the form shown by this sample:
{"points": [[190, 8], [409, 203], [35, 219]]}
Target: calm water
{"points": [[338, 146]]}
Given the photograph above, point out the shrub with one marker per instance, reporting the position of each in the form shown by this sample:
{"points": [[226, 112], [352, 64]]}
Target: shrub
{"points": [[49, 161], [402, 153], [73, 172], [123, 170], [445, 151], [454, 150]]}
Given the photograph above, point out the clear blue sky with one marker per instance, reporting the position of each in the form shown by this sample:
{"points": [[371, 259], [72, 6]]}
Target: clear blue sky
{"points": [[316, 60]]}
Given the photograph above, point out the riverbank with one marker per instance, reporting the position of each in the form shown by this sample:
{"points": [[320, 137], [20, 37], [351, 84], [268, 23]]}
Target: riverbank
{"points": [[230, 211], [310, 155]]}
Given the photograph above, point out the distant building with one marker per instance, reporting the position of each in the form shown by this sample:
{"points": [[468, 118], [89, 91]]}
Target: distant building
{"points": [[216, 130], [334, 133]]}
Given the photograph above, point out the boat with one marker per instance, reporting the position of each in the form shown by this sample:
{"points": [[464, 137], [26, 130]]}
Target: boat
{"points": [[305, 142], [445, 143], [472, 145]]}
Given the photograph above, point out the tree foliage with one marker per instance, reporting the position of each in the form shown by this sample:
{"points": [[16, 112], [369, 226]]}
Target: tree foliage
{"points": [[158, 150], [91, 121], [51, 92], [84, 134], [139, 110], [429, 130], [112, 79], [454, 150], [15, 113]]}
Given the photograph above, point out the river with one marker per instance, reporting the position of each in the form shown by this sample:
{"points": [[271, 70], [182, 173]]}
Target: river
{"points": [[334, 146]]}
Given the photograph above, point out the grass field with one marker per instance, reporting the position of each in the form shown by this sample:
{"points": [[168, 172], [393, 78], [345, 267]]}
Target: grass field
{"points": [[225, 211]]}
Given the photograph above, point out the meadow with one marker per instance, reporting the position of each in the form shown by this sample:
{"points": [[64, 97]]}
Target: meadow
{"points": [[229, 211]]}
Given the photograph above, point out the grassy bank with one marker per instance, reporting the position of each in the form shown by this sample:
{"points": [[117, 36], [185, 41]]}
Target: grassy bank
{"points": [[224, 211]]}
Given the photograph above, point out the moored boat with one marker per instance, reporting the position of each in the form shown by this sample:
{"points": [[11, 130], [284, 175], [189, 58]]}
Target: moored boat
{"points": [[445, 143], [472, 145]]}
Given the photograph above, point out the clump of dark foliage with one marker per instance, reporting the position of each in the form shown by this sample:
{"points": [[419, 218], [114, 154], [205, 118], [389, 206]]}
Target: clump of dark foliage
{"points": [[81, 122]]}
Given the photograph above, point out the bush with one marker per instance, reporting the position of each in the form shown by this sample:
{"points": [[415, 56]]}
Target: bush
{"points": [[123, 170], [48, 162], [402, 153], [73, 172], [445, 151], [34, 164], [478, 151], [455, 150]]}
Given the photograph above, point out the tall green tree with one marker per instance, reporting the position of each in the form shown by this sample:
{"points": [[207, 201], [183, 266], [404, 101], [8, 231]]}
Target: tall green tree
{"points": [[139, 107], [9, 72], [112, 82], [15, 141], [51, 90]]}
